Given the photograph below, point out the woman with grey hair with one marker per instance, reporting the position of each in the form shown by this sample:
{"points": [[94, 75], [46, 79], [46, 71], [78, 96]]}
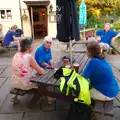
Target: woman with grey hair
{"points": [[43, 54], [23, 64]]}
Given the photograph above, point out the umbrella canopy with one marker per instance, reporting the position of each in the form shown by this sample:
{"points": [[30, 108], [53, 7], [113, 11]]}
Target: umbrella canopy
{"points": [[67, 25], [82, 14]]}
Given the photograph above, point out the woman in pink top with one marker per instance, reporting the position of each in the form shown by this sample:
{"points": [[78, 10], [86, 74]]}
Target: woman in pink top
{"points": [[23, 64]]}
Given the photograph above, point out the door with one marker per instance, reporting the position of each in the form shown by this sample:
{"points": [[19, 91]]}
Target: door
{"points": [[32, 23]]}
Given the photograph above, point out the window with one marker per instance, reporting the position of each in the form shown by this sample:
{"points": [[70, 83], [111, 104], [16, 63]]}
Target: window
{"points": [[5, 14]]}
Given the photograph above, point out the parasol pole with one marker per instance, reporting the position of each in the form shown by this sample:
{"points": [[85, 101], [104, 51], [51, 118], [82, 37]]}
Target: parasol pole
{"points": [[70, 51], [84, 32]]}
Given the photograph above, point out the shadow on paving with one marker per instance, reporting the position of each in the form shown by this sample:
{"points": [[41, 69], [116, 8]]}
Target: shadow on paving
{"points": [[11, 116], [46, 116]]}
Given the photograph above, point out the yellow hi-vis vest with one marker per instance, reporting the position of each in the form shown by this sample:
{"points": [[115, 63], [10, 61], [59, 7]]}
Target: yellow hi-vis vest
{"points": [[83, 84]]}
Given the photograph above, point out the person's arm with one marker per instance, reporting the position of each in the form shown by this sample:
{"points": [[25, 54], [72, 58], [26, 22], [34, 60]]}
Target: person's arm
{"points": [[45, 64], [16, 38], [116, 34], [50, 55], [87, 71], [51, 63], [98, 34], [34, 65]]}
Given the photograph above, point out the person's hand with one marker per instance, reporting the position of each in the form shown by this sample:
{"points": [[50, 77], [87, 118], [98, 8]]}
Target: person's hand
{"points": [[42, 72], [50, 67], [98, 39]]}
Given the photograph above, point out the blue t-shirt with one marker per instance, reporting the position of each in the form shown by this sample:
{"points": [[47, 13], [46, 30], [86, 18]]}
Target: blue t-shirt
{"points": [[100, 74], [18, 33], [106, 37], [43, 55], [8, 38]]}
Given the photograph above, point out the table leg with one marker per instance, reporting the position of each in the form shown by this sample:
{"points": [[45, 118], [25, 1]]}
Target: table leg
{"points": [[35, 98]]}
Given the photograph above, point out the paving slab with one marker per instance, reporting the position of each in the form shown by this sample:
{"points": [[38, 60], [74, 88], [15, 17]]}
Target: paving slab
{"points": [[4, 90], [46, 106], [62, 105], [5, 60], [2, 81], [2, 68], [55, 115], [11, 116], [8, 107], [7, 72], [117, 113]]}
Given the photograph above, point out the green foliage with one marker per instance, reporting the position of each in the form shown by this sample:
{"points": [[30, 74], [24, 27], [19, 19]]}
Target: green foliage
{"points": [[116, 26], [92, 21]]}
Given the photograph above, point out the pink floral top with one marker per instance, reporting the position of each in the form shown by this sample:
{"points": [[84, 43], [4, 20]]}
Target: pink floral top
{"points": [[21, 71]]}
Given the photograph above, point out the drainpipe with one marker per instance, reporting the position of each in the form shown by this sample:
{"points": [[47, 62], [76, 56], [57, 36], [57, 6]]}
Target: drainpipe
{"points": [[20, 14]]}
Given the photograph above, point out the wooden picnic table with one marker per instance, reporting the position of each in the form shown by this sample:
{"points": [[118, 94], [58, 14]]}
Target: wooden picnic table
{"points": [[49, 86]]}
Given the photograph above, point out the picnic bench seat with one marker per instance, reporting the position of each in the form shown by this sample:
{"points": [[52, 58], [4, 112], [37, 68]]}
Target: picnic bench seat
{"points": [[16, 91], [7, 49]]}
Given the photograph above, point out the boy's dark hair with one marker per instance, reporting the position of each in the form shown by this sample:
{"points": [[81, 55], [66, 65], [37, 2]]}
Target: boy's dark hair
{"points": [[25, 43], [94, 50]]}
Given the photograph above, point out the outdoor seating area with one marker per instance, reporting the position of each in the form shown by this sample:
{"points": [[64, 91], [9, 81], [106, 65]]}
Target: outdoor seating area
{"points": [[50, 87], [59, 60]]}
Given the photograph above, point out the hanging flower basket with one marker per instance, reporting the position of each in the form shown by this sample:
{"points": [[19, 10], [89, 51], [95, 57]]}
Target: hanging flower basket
{"points": [[24, 17]]}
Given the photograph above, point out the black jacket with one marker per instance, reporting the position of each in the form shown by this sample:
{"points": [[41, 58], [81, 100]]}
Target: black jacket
{"points": [[67, 24]]}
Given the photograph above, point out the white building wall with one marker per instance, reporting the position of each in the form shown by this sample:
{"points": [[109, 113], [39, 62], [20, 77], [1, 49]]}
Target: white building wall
{"points": [[14, 6], [52, 29], [26, 23]]}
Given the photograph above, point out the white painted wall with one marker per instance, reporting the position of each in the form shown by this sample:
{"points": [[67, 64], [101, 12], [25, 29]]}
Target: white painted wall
{"points": [[14, 6], [52, 29], [16, 19], [26, 23]]}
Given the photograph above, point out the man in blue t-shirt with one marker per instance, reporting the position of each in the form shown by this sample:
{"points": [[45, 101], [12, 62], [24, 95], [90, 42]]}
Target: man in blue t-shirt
{"points": [[19, 32], [43, 54], [10, 39], [106, 37]]}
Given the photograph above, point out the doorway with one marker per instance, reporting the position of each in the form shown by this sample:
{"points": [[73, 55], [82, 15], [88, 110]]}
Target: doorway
{"points": [[40, 25]]}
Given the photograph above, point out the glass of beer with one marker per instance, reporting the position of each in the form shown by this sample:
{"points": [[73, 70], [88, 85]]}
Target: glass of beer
{"points": [[76, 67], [66, 62]]}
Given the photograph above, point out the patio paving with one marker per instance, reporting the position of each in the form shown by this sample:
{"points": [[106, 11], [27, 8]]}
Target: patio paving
{"points": [[55, 111]]}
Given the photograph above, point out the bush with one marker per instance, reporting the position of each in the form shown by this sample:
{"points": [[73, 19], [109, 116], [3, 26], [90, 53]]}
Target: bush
{"points": [[116, 26], [92, 21]]}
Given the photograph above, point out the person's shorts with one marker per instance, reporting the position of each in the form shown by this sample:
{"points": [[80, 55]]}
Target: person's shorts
{"points": [[13, 44], [104, 46]]}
